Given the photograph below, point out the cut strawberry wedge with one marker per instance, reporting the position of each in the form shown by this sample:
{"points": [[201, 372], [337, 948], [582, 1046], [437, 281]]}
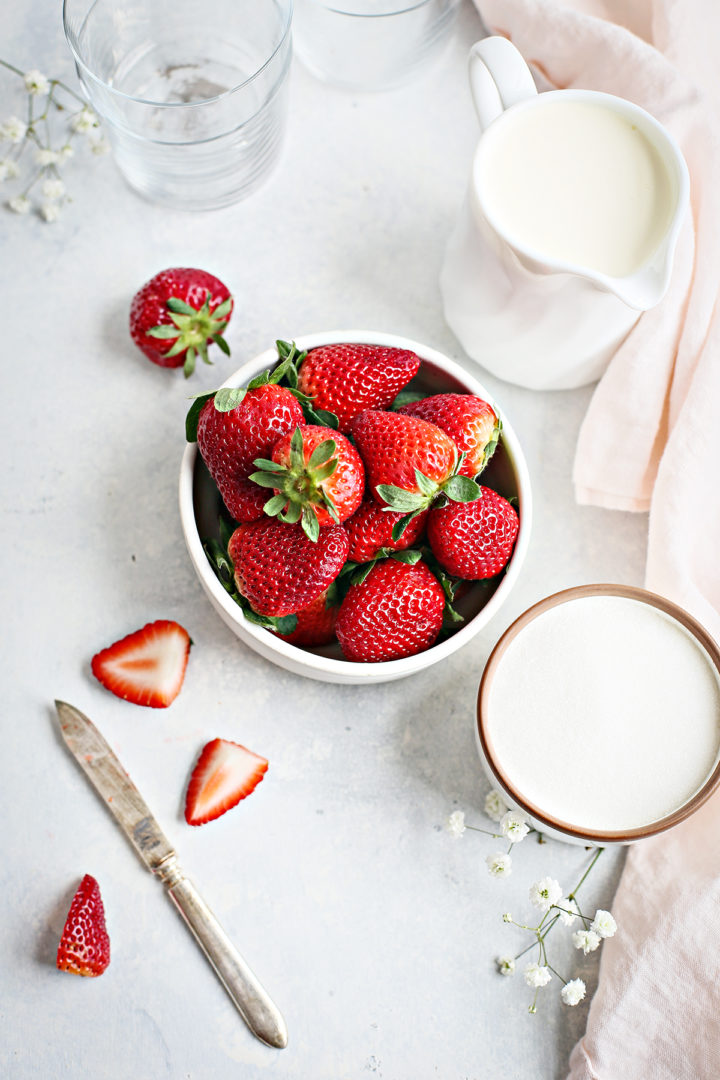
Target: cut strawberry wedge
{"points": [[148, 666], [84, 948], [225, 773]]}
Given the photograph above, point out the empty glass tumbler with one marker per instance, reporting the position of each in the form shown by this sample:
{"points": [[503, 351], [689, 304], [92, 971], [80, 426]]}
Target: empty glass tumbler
{"points": [[370, 44], [192, 95]]}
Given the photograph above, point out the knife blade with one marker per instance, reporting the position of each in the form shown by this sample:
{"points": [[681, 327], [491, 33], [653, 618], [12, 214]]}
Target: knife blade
{"points": [[105, 772]]}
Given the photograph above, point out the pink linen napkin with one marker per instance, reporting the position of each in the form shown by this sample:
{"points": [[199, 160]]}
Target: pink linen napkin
{"points": [[651, 441]]}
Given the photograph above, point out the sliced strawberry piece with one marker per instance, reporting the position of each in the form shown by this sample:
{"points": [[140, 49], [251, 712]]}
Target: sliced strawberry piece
{"points": [[225, 773], [85, 946], [148, 666]]}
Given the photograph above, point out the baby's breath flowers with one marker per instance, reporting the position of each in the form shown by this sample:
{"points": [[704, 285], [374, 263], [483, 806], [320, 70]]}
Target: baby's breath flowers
{"points": [[546, 895], [573, 992], [505, 965], [46, 98], [587, 940], [499, 864]]}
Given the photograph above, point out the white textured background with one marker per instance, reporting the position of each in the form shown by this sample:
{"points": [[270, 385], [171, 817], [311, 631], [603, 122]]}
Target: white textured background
{"points": [[373, 929]]}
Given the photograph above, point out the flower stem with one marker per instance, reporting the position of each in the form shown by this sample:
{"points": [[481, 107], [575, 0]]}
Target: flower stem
{"points": [[11, 67], [596, 856]]}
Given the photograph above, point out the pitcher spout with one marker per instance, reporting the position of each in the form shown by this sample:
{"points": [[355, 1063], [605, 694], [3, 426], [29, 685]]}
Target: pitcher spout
{"points": [[646, 287]]}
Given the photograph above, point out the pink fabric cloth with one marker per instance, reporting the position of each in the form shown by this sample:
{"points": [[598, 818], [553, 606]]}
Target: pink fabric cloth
{"points": [[651, 441]]}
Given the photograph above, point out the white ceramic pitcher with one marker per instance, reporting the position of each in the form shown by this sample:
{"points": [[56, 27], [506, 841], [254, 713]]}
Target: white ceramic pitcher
{"points": [[528, 318]]}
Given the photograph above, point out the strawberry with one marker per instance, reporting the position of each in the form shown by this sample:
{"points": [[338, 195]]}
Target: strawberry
{"points": [[469, 421], [315, 623], [370, 531], [474, 540], [236, 427], [85, 946], [396, 611], [346, 379], [177, 314], [148, 666], [279, 569], [225, 773], [409, 463], [317, 475]]}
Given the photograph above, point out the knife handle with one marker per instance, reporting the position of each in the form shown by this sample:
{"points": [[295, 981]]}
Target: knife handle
{"points": [[251, 1000]]}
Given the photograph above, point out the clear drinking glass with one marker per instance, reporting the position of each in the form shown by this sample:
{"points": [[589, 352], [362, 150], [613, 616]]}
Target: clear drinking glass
{"points": [[192, 94], [369, 44]]}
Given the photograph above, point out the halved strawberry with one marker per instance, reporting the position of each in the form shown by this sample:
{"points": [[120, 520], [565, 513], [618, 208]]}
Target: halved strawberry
{"points": [[84, 947], [225, 774], [148, 666]]}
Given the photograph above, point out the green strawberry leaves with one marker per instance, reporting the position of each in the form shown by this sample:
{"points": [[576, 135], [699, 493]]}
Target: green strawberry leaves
{"points": [[218, 557], [229, 397], [192, 329], [428, 493], [299, 485]]}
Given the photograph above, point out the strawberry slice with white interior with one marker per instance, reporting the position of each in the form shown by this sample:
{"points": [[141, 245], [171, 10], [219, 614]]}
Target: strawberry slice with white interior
{"points": [[148, 666], [225, 773]]}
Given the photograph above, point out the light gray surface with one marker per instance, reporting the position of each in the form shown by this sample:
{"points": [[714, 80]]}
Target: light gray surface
{"points": [[372, 928]]}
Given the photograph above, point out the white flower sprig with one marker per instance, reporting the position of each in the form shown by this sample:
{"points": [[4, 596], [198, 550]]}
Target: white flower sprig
{"points": [[547, 895], [46, 98]]}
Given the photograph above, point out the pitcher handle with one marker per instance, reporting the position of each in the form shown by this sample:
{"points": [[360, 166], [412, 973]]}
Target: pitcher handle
{"points": [[499, 78]]}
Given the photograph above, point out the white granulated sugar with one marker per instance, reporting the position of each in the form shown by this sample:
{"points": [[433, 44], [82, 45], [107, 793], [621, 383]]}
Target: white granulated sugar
{"points": [[605, 713]]}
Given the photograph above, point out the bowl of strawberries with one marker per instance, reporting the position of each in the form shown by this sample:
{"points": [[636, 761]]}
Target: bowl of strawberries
{"points": [[354, 504]]}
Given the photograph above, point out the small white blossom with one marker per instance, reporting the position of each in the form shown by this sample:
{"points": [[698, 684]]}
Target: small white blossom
{"points": [[20, 204], [84, 121], [507, 917], [50, 211], [100, 146], [587, 940], [568, 911], [573, 992], [537, 976], [45, 156], [499, 864], [36, 83], [514, 825], [505, 965], [603, 924], [13, 130], [8, 169], [455, 824], [53, 189], [545, 893], [65, 153], [495, 805]]}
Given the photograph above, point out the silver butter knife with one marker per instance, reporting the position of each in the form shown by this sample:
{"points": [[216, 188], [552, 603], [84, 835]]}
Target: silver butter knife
{"points": [[126, 804]]}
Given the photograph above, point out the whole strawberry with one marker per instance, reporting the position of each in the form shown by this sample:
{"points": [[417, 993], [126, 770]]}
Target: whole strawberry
{"points": [[346, 379], [469, 421], [233, 429], [178, 314], [396, 611], [370, 531], [315, 623], [474, 540], [279, 569], [85, 946], [317, 475], [409, 463]]}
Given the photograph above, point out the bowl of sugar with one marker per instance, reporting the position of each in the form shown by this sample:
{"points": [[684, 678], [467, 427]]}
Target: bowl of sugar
{"points": [[599, 715]]}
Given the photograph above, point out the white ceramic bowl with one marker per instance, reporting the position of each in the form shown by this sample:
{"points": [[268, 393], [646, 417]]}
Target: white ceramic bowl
{"points": [[200, 507]]}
